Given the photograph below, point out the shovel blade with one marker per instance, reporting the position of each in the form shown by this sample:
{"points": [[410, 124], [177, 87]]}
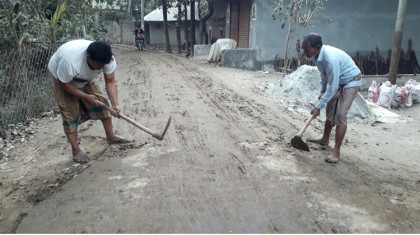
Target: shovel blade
{"points": [[298, 143]]}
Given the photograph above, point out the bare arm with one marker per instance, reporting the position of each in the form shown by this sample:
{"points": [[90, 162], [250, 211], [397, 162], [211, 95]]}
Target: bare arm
{"points": [[71, 89], [112, 91]]}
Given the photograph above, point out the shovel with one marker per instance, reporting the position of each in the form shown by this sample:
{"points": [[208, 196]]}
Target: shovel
{"points": [[143, 128], [297, 141]]}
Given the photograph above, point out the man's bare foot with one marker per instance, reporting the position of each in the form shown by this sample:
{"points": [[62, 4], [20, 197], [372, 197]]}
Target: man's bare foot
{"points": [[332, 159], [319, 141], [81, 157]]}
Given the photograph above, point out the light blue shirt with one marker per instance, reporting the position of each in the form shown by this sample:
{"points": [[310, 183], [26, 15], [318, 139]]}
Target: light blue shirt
{"points": [[336, 68]]}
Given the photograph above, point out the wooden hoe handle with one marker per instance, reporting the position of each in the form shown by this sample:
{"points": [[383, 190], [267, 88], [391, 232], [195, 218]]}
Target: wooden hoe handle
{"points": [[147, 130], [306, 125]]}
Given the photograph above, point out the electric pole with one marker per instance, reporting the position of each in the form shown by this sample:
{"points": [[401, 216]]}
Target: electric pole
{"points": [[396, 49]]}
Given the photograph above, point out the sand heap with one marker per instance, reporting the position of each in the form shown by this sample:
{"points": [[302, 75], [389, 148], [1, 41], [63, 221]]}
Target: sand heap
{"points": [[302, 88]]}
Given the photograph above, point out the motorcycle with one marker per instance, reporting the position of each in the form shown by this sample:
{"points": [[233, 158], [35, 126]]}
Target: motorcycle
{"points": [[139, 39]]}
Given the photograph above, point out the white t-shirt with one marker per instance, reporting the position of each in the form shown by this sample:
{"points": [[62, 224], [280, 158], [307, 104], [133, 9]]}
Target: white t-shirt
{"points": [[69, 62]]}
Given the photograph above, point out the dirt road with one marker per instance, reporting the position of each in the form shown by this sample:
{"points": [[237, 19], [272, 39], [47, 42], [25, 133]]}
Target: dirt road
{"points": [[225, 165]]}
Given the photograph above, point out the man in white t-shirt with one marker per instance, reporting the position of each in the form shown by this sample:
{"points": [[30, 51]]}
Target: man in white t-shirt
{"points": [[73, 67]]}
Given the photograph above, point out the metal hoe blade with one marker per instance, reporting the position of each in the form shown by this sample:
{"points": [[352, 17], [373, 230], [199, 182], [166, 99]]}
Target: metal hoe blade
{"points": [[160, 137], [298, 143]]}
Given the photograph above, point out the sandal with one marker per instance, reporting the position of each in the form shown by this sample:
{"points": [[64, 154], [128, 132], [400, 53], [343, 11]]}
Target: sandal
{"points": [[81, 157]]}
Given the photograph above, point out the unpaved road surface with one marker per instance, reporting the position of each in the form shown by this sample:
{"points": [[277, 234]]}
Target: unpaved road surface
{"points": [[225, 165]]}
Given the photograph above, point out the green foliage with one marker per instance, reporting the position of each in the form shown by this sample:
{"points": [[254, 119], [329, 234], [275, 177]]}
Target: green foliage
{"points": [[15, 113], [21, 21], [25, 27], [41, 20], [204, 7], [59, 12], [296, 12], [25, 90], [41, 98], [114, 15]]}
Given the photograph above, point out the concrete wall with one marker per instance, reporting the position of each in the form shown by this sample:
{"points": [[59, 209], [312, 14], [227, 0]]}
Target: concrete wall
{"points": [[239, 58], [201, 50], [114, 31], [157, 34], [126, 32], [355, 25]]}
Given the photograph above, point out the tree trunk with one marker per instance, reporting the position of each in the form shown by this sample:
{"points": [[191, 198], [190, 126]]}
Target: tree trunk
{"points": [[129, 10], [286, 47], [396, 49], [204, 20], [15, 23], [192, 11], [187, 40], [165, 26], [293, 24], [178, 26], [142, 14]]}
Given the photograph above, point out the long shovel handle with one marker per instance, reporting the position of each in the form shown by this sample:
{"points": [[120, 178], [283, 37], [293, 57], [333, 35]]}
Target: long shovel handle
{"points": [[306, 125], [131, 121]]}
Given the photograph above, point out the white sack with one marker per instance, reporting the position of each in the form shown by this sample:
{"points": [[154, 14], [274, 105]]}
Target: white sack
{"points": [[216, 49], [386, 95], [373, 92]]}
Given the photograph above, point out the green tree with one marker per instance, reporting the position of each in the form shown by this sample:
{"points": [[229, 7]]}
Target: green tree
{"points": [[295, 13]]}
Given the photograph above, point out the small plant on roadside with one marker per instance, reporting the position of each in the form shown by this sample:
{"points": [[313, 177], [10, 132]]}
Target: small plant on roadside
{"points": [[294, 13]]}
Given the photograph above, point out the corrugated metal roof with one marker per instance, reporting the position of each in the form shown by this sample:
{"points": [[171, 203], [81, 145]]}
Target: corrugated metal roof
{"points": [[157, 14]]}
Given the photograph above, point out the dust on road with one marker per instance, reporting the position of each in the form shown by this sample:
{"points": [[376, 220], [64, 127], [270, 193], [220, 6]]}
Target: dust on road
{"points": [[225, 165]]}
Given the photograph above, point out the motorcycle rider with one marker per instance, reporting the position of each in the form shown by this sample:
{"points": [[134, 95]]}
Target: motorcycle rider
{"points": [[139, 38]]}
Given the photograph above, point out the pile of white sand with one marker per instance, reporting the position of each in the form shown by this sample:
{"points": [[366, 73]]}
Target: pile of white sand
{"points": [[301, 88]]}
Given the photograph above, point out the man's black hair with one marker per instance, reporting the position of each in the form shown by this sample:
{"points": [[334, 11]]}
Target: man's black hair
{"points": [[100, 51], [314, 39]]}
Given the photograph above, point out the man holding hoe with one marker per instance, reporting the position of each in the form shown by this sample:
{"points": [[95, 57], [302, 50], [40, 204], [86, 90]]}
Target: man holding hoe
{"points": [[340, 82], [73, 67]]}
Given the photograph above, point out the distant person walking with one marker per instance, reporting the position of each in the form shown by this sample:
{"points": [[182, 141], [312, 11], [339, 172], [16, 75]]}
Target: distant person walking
{"points": [[340, 83], [73, 67]]}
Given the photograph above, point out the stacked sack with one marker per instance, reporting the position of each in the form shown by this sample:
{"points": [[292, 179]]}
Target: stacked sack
{"points": [[391, 96], [373, 92], [414, 88]]}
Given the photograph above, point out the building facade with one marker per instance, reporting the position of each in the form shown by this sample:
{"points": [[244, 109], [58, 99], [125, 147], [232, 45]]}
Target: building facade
{"points": [[352, 25]]}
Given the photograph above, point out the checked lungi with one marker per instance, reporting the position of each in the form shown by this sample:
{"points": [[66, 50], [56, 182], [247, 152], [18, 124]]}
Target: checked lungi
{"points": [[74, 110]]}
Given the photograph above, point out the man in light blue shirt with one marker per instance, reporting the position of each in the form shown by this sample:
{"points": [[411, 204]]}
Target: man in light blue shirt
{"points": [[340, 82]]}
